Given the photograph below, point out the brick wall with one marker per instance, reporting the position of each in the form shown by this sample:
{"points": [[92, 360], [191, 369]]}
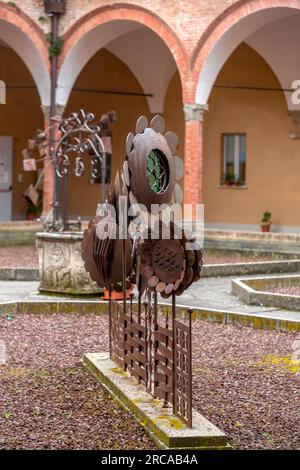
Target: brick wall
{"points": [[196, 24], [188, 19]]}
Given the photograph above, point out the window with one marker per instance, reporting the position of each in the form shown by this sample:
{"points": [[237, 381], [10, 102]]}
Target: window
{"points": [[234, 160]]}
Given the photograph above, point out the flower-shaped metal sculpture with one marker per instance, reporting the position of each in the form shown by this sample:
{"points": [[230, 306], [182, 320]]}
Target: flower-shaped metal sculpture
{"points": [[151, 168], [102, 249], [152, 261], [161, 259], [165, 265]]}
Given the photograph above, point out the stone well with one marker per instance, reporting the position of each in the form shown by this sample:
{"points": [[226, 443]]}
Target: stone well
{"points": [[61, 269]]}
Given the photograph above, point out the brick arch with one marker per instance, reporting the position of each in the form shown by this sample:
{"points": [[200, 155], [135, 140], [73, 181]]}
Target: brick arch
{"points": [[222, 24], [134, 13], [24, 36]]}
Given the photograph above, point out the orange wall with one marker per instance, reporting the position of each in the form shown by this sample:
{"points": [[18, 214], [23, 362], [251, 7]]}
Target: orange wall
{"points": [[173, 111], [104, 71], [19, 117], [273, 160]]}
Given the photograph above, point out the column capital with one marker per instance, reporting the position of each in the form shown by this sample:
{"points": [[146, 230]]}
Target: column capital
{"points": [[60, 109], [194, 111]]}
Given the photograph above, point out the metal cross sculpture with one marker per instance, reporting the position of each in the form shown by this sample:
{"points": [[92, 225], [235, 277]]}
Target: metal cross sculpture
{"points": [[160, 259]]}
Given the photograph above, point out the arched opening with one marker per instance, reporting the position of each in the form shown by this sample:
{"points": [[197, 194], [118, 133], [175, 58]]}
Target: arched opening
{"points": [[19, 119], [272, 32], [20, 116], [24, 69], [246, 80], [128, 68]]}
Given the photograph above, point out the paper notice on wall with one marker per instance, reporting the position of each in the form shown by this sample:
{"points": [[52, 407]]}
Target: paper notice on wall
{"points": [[4, 176], [29, 164]]}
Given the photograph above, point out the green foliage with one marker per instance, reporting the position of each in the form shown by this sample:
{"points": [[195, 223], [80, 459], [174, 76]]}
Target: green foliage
{"points": [[32, 209], [266, 218], [229, 178], [43, 19], [12, 4], [55, 45]]}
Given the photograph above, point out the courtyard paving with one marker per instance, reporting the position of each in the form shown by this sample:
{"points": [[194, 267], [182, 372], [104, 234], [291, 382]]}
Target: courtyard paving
{"points": [[208, 293]]}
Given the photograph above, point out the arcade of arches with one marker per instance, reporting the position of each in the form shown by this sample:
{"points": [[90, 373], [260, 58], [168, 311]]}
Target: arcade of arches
{"points": [[228, 98]]}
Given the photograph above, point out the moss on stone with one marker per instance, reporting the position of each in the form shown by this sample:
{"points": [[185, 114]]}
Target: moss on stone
{"points": [[172, 421]]}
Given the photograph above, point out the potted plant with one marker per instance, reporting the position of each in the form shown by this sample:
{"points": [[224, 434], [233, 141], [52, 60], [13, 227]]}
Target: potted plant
{"points": [[32, 211], [266, 222], [229, 179], [238, 182]]}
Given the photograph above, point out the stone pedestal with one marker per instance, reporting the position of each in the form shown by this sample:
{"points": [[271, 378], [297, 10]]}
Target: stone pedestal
{"points": [[61, 268], [165, 429]]}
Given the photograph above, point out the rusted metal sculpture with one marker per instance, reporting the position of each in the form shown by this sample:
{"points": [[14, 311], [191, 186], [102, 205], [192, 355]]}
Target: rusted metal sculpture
{"points": [[154, 348], [79, 136]]}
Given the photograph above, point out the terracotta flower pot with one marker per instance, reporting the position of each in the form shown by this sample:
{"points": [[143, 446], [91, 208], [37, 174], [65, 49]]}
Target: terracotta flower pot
{"points": [[30, 216], [265, 228], [116, 295]]}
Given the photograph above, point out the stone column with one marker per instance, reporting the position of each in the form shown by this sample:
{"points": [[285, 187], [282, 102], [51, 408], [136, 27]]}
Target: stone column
{"points": [[193, 175], [48, 180]]}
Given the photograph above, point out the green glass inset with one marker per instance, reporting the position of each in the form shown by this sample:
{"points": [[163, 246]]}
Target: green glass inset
{"points": [[157, 171]]}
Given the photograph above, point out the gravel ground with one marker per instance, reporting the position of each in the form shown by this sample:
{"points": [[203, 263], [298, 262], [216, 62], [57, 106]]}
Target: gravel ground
{"points": [[247, 384], [289, 290], [47, 400], [244, 382], [26, 256], [226, 256]]}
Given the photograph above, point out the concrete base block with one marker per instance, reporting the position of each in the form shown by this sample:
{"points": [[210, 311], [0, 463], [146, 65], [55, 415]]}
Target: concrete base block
{"points": [[167, 431]]}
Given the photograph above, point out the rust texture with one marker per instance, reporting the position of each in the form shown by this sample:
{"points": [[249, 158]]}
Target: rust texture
{"points": [[157, 352]]}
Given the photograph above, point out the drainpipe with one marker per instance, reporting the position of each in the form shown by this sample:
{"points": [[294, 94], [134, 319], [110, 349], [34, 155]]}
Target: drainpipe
{"points": [[54, 32], [54, 8]]}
